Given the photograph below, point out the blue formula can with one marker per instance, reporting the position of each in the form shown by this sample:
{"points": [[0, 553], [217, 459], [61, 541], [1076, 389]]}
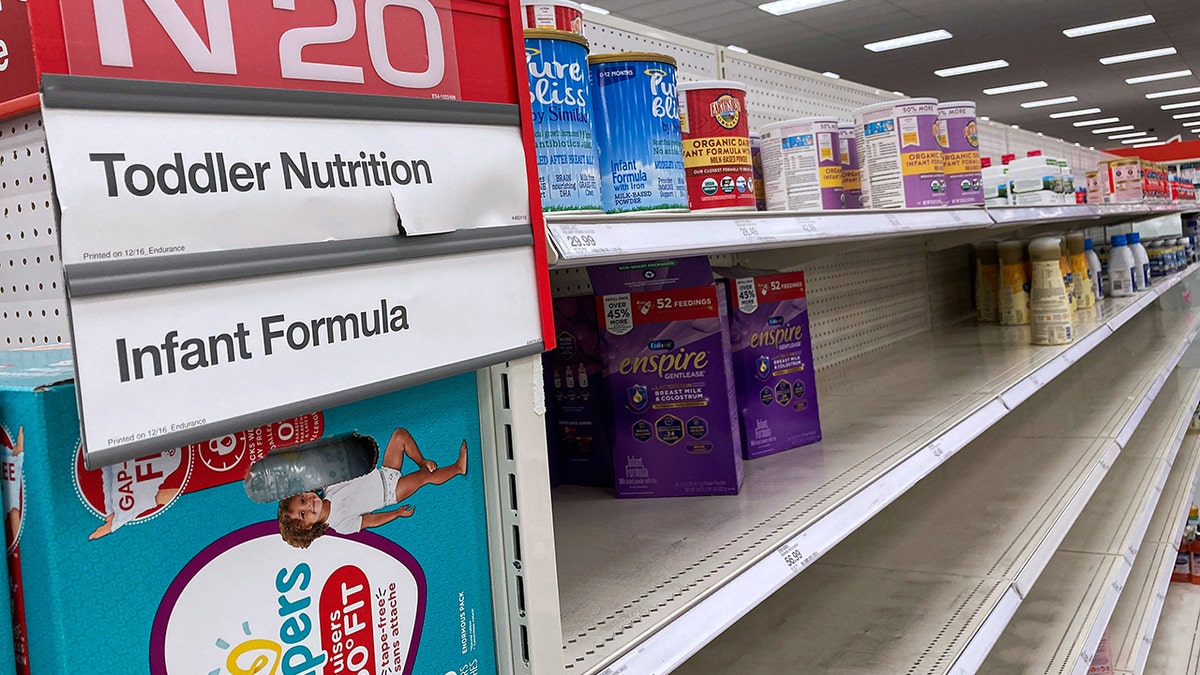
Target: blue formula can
{"points": [[568, 167], [637, 130]]}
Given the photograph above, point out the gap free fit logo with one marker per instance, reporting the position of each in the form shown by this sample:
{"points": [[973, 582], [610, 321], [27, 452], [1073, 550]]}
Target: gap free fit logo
{"points": [[249, 604]]}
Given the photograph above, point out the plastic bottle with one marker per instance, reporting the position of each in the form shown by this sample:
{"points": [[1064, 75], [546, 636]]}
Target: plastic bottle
{"points": [[1014, 284], [1085, 294], [1184, 255], [1141, 259], [1121, 269], [1049, 307], [987, 282], [1094, 269], [1158, 258], [1064, 264]]}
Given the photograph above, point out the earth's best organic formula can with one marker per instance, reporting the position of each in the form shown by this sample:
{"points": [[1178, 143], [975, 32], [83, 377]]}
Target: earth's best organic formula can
{"points": [[716, 145], [960, 153], [637, 131], [899, 155], [568, 173], [553, 14], [851, 181], [802, 164]]}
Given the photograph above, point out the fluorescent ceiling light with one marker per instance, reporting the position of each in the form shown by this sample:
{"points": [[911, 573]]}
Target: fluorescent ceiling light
{"points": [[1074, 113], [1174, 92], [593, 8], [908, 40], [1015, 126], [1184, 116], [1191, 124], [1137, 56], [971, 68], [1049, 101], [832, 75], [735, 48], [1109, 130], [1077, 145], [1134, 134], [1008, 89], [1094, 28], [898, 93], [781, 7], [1146, 145], [985, 118], [1159, 76], [1092, 123], [1177, 106], [1139, 140]]}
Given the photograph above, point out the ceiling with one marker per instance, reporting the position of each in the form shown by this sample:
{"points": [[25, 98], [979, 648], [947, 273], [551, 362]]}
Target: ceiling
{"points": [[1025, 33]]}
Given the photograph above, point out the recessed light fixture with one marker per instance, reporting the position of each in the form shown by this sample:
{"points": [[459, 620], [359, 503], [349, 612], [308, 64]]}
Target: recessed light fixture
{"points": [[1137, 56], [1109, 130], [1015, 126], [1008, 89], [985, 118], [1077, 145], [781, 7], [1049, 101], [1041, 134], [832, 75], [735, 48], [1074, 113], [593, 8], [898, 93], [1177, 106], [1134, 134], [1146, 145], [1092, 123], [908, 40], [1092, 29], [971, 68], [1184, 116], [1158, 76], [1174, 92], [1131, 141]]}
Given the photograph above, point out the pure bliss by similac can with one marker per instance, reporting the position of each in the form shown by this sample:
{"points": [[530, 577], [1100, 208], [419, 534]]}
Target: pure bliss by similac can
{"points": [[960, 153], [637, 129], [851, 180], [802, 164], [554, 14], [716, 145], [568, 169], [899, 156], [760, 186]]}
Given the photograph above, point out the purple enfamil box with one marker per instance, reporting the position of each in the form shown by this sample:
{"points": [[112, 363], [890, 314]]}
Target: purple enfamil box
{"points": [[772, 361], [668, 372], [577, 420]]}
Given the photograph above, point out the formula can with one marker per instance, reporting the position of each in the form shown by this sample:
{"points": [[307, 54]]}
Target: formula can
{"points": [[960, 153], [716, 145], [851, 181], [568, 167], [637, 131], [553, 14], [760, 186], [899, 156], [802, 164]]}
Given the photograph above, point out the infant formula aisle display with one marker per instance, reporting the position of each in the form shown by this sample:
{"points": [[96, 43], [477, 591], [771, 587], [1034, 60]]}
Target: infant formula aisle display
{"points": [[553, 14], [162, 564], [1081, 274], [959, 138], [772, 360], [568, 168], [669, 374], [899, 156], [637, 129], [716, 145], [1095, 270], [851, 176], [1141, 258], [987, 281], [1123, 269], [1049, 307], [1014, 284], [802, 164]]}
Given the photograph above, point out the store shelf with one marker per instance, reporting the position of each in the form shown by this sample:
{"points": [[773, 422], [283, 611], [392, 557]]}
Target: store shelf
{"points": [[931, 583], [645, 583], [1060, 622], [581, 240], [1134, 622], [1176, 647]]}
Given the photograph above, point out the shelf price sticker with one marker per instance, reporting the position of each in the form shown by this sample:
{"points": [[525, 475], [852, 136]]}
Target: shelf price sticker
{"points": [[795, 557]]}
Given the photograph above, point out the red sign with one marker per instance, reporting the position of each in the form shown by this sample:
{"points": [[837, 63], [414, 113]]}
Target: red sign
{"points": [[18, 74]]}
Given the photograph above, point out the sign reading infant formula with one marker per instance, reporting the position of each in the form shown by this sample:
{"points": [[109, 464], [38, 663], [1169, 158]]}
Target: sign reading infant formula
{"points": [[716, 145], [899, 154]]}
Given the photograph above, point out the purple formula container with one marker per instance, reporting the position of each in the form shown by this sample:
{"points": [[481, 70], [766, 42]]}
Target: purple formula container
{"points": [[960, 153], [851, 178], [802, 165], [899, 157]]}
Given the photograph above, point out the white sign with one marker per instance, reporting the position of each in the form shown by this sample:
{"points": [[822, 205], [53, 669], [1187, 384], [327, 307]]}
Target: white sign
{"points": [[196, 358], [133, 185]]}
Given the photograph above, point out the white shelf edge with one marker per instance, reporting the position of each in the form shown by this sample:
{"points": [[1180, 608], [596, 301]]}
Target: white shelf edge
{"points": [[675, 642], [971, 658]]}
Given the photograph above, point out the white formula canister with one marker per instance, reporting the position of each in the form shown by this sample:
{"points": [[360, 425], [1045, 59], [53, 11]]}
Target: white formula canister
{"points": [[899, 157], [802, 164]]}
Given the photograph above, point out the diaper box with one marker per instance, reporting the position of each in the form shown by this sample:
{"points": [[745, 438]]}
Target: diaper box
{"points": [[577, 419], [668, 372], [772, 360], [165, 564]]}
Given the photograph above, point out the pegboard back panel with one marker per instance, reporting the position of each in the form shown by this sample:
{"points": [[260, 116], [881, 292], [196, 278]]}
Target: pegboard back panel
{"points": [[694, 60], [950, 295], [33, 305]]}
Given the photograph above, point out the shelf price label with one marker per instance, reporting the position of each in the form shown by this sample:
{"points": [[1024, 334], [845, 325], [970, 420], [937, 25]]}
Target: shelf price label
{"points": [[795, 557], [582, 241]]}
